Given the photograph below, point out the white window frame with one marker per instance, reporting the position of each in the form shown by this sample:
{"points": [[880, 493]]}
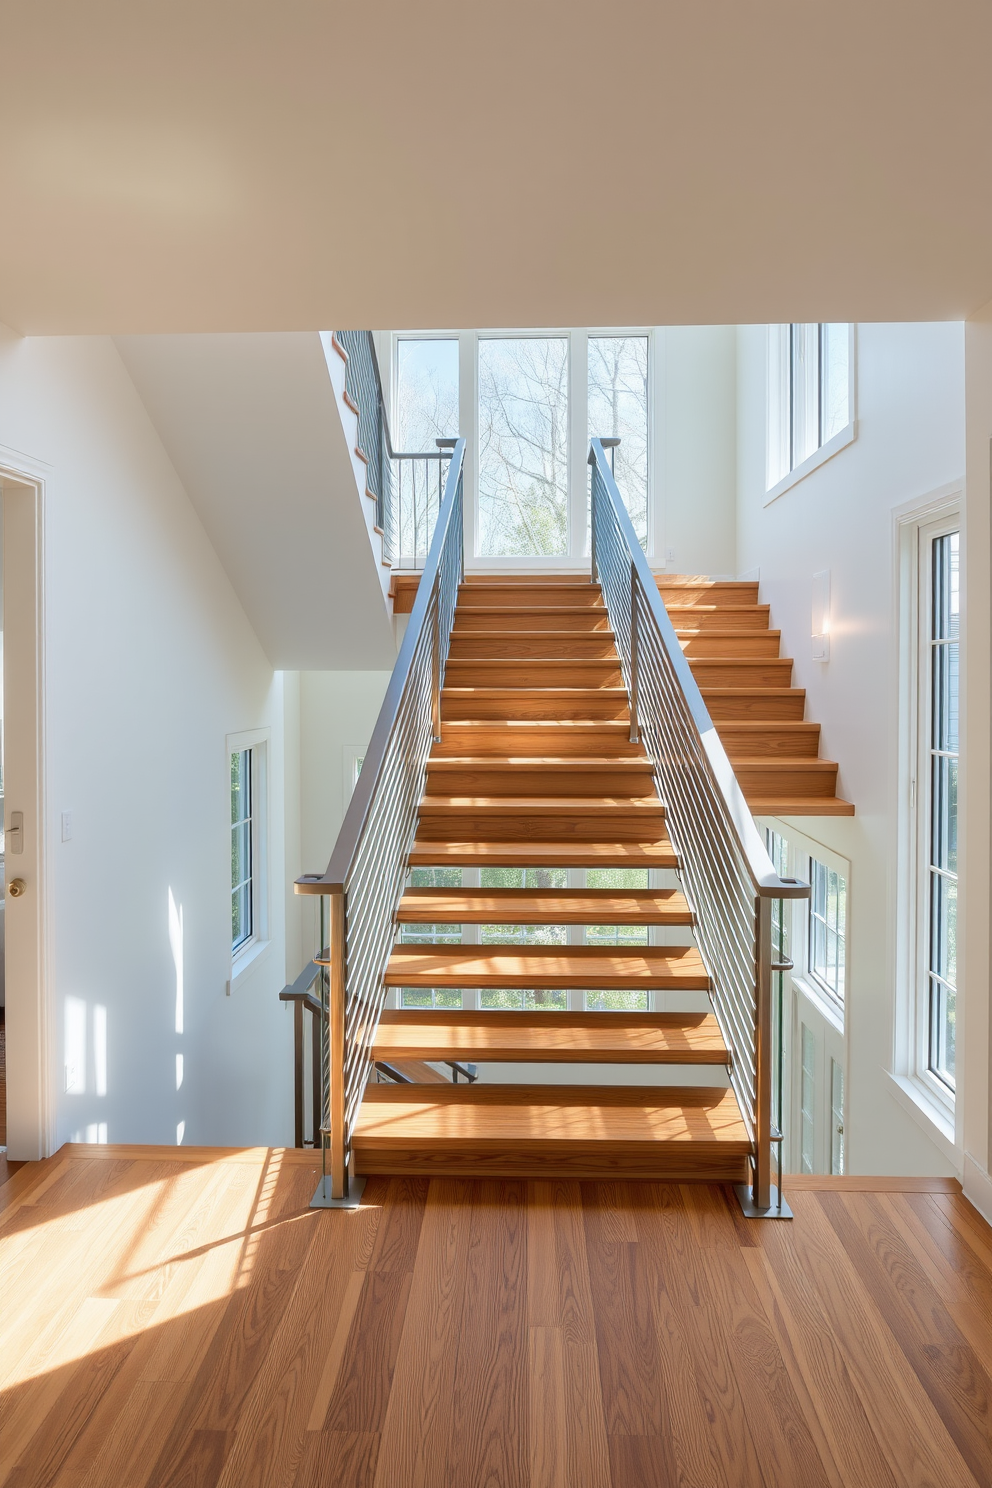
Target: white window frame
{"points": [[780, 474], [253, 949], [577, 556], [926, 1097]]}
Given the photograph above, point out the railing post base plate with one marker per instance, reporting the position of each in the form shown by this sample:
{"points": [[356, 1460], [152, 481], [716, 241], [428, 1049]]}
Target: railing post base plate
{"points": [[777, 1209], [322, 1198]]}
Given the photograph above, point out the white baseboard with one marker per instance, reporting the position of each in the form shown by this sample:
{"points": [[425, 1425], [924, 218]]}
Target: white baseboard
{"points": [[977, 1187]]}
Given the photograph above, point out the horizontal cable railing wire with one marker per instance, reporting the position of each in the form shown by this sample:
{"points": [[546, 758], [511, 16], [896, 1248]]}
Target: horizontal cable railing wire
{"points": [[365, 877], [727, 876]]}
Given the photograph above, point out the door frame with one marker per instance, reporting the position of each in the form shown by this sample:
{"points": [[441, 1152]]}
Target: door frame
{"points": [[30, 1012]]}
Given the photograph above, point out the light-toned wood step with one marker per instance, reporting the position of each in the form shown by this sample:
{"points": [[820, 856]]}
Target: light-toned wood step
{"points": [[550, 738], [787, 778], [747, 740], [524, 777], [529, 578], [551, 644], [800, 806], [520, 702], [632, 968], [538, 819], [562, 1038], [702, 618], [537, 672], [770, 704], [741, 672], [697, 589], [577, 1131], [490, 594], [544, 907], [655, 852], [730, 643], [472, 619]]}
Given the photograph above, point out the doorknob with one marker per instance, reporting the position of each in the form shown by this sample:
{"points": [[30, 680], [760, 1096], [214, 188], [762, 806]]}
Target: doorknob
{"points": [[16, 888]]}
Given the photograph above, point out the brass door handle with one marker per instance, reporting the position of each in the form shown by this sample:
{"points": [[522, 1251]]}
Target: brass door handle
{"points": [[16, 888]]}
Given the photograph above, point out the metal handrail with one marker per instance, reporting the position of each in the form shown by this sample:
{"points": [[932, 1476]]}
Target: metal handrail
{"points": [[727, 875], [366, 875]]}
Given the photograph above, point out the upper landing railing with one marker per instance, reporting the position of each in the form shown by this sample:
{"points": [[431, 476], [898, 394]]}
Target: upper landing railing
{"points": [[727, 875], [408, 485], [365, 877]]}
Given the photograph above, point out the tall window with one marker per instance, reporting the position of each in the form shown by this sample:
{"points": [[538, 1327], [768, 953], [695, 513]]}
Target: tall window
{"points": [[941, 804], [618, 407], [242, 850], [826, 941], [523, 446], [426, 403], [809, 393]]}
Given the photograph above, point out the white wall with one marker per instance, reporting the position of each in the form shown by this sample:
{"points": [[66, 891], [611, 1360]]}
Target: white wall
{"points": [[150, 662], [697, 448], [910, 441]]}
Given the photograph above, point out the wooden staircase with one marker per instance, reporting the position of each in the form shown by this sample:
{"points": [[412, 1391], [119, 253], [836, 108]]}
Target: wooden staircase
{"points": [[535, 769]]}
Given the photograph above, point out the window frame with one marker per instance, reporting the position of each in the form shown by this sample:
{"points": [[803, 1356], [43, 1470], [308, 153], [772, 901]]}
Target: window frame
{"points": [[576, 556], [780, 473], [249, 951]]}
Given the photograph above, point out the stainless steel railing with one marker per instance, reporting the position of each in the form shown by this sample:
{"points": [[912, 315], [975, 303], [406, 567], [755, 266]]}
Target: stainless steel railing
{"points": [[726, 874], [365, 877]]}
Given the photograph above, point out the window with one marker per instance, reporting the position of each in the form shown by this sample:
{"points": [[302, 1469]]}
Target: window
{"points": [[618, 407], [809, 394], [242, 851], [523, 446], [942, 558], [825, 941], [426, 409], [249, 906]]}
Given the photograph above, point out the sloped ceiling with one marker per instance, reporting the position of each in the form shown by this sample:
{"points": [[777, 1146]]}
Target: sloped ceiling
{"points": [[206, 166], [251, 424]]}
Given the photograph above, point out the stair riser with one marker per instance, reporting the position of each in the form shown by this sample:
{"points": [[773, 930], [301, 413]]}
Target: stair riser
{"points": [[648, 1167], [771, 743], [505, 827], [591, 647], [538, 705], [526, 596], [703, 619], [521, 672], [742, 673], [763, 646], [723, 592], [473, 620], [763, 706], [500, 741], [554, 780], [787, 782]]}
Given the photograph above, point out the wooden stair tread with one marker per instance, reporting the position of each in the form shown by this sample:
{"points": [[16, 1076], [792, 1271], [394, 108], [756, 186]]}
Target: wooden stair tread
{"points": [[568, 1038], [653, 853], [800, 806], [544, 907], [541, 805], [501, 1116], [547, 966]]}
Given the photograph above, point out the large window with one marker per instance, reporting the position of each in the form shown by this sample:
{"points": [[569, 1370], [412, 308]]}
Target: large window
{"points": [[809, 393], [426, 410], [826, 948], [618, 408], [523, 446], [242, 854], [940, 831]]}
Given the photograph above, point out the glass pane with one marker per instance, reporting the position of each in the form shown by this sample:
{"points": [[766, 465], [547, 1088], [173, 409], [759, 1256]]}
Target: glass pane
{"points": [[523, 446], [435, 878], [835, 341], [426, 393], [523, 935], [805, 391], [836, 1117], [944, 806], [618, 407], [807, 1098], [513, 999], [524, 878], [617, 878], [943, 1005], [615, 1001], [431, 997]]}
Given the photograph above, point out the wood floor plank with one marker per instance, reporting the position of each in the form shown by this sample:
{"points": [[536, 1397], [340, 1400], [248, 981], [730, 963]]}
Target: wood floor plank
{"points": [[943, 1361], [416, 1433], [346, 1459], [489, 1411]]}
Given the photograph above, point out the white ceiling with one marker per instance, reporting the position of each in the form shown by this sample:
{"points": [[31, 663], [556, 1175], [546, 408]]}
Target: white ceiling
{"points": [[251, 424], [201, 166]]}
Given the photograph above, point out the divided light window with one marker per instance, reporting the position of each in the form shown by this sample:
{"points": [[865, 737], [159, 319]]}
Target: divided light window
{"points": [[809, 392], [242, 865], [941, 911], [826, 941]]}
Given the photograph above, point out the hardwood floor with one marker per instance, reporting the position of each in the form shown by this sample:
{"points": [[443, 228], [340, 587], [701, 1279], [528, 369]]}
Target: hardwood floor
{"points": [[180, 1317]]}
